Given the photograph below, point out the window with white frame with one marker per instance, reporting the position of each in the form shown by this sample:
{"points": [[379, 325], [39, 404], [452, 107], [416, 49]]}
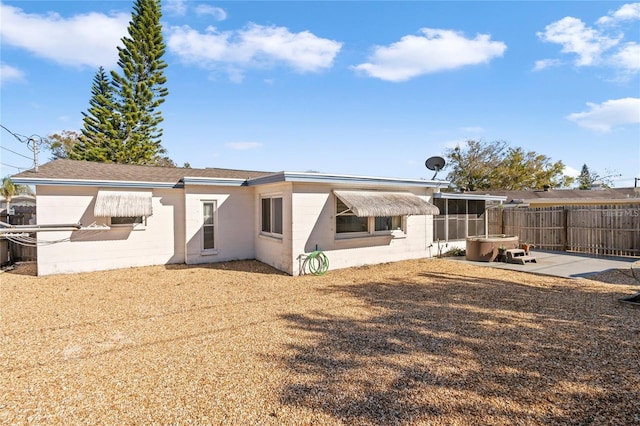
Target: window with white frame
{"points": [[347, 223], [208, 225], [127, 221], [458, 219], [271, 215]]}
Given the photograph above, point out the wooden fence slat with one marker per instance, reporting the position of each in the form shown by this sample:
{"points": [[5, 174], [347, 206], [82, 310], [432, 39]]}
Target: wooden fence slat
{"points": [[596, 229]]}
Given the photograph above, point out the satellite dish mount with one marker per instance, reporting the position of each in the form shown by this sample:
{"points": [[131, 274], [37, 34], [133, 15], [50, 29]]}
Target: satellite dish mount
{"points": [[436, 164]]}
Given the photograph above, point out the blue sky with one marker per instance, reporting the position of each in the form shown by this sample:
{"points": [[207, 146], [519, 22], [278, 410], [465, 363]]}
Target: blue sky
{"points": [[363, 88]]}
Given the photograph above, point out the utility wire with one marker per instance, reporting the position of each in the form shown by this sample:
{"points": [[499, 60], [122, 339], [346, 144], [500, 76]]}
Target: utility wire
{"points": [[17, 153], [15, 167]]}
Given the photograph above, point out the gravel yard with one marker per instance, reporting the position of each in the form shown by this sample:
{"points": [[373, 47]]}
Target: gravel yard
{"points": [[430, 341]]}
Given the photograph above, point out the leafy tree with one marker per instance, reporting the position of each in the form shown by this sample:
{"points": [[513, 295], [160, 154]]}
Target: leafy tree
{"points": [[139, 89], [9, 189], [483, 165], [61, 144], [473, 166]]}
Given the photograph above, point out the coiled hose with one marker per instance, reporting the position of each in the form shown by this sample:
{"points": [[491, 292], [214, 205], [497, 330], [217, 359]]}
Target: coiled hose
{"points": [[317, 263]]}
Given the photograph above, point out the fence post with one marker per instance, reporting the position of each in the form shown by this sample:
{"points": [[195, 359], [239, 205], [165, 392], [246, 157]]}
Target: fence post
{"points": [[565, 228]]}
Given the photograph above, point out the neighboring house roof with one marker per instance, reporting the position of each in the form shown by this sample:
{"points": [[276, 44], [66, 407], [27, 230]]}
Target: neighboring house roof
{"points": [[568, 196], [85, 173]]}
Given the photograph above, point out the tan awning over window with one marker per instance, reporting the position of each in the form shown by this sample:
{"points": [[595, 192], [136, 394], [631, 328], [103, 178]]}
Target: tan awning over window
{"points": [[123, 204], [381, 204]]}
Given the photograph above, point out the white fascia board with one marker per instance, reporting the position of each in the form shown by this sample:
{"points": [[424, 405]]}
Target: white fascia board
{"points": [[343, 179], [100, 183], [214, 181], [462, 196]]}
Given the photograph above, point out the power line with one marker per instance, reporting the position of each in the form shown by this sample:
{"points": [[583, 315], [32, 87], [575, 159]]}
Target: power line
{"points": [[17, 153], [15, 167], [31, 142]]}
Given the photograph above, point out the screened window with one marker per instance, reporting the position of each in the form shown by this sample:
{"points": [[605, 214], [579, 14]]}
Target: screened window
{"points": [[208, 225], [271, 215], [129, 220], [348, 223], [458, 219]]}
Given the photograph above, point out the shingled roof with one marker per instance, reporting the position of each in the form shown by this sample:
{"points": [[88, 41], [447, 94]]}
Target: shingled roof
{"points": [[564, 194], [91, 171]]}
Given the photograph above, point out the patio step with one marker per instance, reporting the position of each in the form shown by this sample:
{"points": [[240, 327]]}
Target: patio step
{"points": [[519, 256]]}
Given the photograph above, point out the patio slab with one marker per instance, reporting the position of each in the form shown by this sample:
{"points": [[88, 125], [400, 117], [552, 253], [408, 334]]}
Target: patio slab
{"points": [[562, 264]]}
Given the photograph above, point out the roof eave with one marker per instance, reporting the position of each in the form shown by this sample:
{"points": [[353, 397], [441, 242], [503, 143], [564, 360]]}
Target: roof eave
{"points": [[94, 183], [343, 179]]}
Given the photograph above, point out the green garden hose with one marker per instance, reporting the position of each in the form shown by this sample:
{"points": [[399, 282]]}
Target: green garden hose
{"points": [[317, 262]]}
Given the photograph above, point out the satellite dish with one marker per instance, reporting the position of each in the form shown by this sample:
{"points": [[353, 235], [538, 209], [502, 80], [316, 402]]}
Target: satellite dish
{"points": [[435, 163]]}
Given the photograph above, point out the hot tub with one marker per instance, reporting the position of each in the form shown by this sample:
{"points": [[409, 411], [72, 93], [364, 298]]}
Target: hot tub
{"points": [[485, 249]]}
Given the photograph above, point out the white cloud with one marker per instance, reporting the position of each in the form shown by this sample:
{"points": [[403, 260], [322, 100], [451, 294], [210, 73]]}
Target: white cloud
{"points": [[546, 63], [602, 117], [570, 171], [68, 41], [627, 57], [9, 74], [254, 46], [593, 46], [433, 51], [218, 13], [176, 7], [627, 12], [243, 146], [576, 37]]}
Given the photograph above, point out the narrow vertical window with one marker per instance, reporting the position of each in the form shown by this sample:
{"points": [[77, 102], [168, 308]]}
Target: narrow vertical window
{"points": [[266, 215], [208, 225]]}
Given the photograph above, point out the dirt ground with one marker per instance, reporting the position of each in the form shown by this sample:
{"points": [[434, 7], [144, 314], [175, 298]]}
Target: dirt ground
{"points": [[430, 341]]}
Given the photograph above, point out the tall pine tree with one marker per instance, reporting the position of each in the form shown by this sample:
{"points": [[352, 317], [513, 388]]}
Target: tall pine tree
{"points": [[121, 124], [99, 137], [139, 89]]}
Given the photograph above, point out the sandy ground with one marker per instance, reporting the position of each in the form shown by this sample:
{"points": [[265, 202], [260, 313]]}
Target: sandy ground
{"points": [[432, 342]]}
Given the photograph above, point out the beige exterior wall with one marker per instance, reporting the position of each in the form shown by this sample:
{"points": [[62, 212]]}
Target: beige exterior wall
{"points": [[313, 224], [161, 241], [234, 223]]}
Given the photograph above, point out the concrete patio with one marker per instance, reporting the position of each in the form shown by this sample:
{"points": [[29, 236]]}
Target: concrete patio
{"points": [[562, 264]]}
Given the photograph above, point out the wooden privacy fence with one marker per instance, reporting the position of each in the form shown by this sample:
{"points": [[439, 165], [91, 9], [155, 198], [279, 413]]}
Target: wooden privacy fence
{"points": [[612, 230]]}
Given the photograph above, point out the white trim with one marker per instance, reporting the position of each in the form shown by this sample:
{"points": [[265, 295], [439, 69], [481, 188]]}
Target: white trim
{"points": [[271, 197], [214, 250]]}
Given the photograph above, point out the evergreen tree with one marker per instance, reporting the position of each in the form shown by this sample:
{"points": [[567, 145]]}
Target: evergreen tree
{"points": [[584, 178], [139, 89], [99, 138]]}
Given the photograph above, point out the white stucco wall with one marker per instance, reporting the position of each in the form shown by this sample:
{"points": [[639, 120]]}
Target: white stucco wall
{"points": [[161, 241], [234, 231], [313, 225]]}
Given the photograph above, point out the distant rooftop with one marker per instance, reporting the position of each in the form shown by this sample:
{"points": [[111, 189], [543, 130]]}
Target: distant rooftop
{"points": [[573, 194]]}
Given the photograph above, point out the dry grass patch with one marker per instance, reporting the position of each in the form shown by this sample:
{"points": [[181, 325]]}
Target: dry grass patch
{"points": [[417, 342]]}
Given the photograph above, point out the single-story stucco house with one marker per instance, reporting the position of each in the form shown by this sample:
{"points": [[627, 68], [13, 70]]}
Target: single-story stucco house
{"points": [[114, 216]]}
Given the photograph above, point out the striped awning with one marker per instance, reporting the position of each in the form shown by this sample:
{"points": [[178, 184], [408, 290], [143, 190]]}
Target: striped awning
{"points": [[382, 204], [123, 204]]}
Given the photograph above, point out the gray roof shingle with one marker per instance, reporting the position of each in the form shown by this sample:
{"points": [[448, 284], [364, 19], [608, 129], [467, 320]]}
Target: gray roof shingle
{"points": [[63, 169]]}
